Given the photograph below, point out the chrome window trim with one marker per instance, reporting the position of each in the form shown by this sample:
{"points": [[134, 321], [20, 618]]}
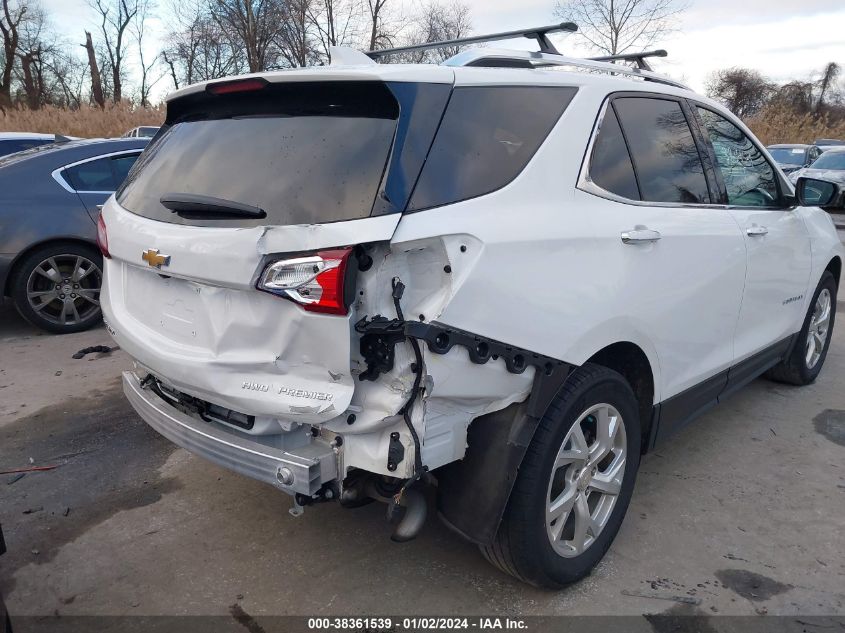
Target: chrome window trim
{"points": [[59, 178], [586, 184]]}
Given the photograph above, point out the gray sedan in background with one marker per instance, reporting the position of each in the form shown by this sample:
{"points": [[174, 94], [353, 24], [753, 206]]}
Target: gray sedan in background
{"points": [[829, 166], [49, 205]]}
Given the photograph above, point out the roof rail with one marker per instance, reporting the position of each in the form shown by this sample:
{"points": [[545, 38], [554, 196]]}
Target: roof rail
{"points": [[539, 33], [639, 58], [530, 59]]}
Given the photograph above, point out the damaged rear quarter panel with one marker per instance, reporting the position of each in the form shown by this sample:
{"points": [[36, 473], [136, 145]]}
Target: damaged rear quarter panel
{"points": [[456, 390]]}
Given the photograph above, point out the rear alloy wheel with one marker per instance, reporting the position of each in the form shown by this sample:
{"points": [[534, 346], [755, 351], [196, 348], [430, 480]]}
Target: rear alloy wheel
{"points": [[574, 484], [57, 287], [586, 480], [805, 361]]}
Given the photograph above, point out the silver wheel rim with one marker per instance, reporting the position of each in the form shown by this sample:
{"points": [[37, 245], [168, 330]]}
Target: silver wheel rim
{"points": [[819, 329], [586, 480], [65, 289]]}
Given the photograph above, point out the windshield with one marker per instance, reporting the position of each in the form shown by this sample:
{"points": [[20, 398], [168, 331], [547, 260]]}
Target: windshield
{"points": [[788, 155], [830, 160]]}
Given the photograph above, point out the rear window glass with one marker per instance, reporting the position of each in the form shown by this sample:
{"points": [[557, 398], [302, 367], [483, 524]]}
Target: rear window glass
{"points": [[487, 136], [304, 153], [789, 155], [666, 160]]}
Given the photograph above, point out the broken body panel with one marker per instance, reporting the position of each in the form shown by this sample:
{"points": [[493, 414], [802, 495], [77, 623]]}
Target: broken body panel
{"points": [[499, 270]]}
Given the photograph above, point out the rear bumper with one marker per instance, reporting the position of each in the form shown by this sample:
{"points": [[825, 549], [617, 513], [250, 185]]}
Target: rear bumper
{"points": [[311, 466]]}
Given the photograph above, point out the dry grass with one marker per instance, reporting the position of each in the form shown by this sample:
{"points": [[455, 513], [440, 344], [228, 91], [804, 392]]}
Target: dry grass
{"points": [[772, 125], [781, 125], [87, 122]]}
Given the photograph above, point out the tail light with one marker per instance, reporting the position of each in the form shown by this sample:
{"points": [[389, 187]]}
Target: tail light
{"points": [[316, 282], [103, 237]]}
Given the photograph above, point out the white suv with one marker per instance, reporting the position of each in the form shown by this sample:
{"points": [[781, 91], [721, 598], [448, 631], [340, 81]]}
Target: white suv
{"points": [[501, 275]]}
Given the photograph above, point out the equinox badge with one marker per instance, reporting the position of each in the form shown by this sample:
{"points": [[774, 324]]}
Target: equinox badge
{"points": [[154, 258]]}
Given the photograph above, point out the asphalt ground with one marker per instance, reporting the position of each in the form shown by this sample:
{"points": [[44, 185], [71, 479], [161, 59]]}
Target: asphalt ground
{"points": [[742, 513]]}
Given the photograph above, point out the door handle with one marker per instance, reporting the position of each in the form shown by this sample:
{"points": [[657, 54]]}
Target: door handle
{"points": [[756, 230], [640, 234]]}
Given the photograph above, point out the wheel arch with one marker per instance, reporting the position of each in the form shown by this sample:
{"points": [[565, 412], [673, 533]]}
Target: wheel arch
{"points": [[629, 360], [835, 268], [497, 442], [13, 268]]}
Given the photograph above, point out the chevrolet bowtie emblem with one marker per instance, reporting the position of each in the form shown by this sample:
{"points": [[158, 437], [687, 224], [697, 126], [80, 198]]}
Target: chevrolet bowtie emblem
{"points": [[154, 258]]}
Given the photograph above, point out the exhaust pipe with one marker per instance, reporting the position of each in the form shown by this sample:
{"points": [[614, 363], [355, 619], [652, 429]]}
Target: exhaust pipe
{"points": [[415, 512], [413, 501]]}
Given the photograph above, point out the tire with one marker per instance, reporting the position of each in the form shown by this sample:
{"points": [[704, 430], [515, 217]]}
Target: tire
{"points": [[57, 286], [797, 368], [523, 546]]}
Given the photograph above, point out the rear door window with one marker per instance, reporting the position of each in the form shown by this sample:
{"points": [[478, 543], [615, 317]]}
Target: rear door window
{"points": [[121, 166], [487, 136], [93, 175], [665, 157], [102, 174]]}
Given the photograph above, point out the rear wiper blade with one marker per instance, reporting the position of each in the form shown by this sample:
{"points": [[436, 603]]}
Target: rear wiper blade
{"points": [[195, 207]]}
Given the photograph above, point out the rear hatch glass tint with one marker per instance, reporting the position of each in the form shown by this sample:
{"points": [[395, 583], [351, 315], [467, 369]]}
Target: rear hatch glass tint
{"points": [[303, 152]]}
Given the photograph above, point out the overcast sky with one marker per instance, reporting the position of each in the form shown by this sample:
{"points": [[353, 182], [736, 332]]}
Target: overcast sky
{"points": [[784, 39]]}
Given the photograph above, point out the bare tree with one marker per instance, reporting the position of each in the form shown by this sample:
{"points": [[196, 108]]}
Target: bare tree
{"points": [[68, 75], [743, 91], [615, 26], [198, 49], [828, 79], [97, 93], [796, 96], [10, 22], [256, 26], [116, 16], [145, 68], [294, 39], [438, 21], [381, 36], [30, 71], [336, 23]]}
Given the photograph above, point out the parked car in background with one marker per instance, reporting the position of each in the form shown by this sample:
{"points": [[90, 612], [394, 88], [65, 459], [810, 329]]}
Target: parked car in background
{"points": [[143, 131], [11, 142], [829, 166], [51, 194], [794, 156], [825, 144]]}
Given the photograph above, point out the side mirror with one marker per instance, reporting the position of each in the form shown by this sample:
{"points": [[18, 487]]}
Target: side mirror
{"points": [[818, 193]]}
